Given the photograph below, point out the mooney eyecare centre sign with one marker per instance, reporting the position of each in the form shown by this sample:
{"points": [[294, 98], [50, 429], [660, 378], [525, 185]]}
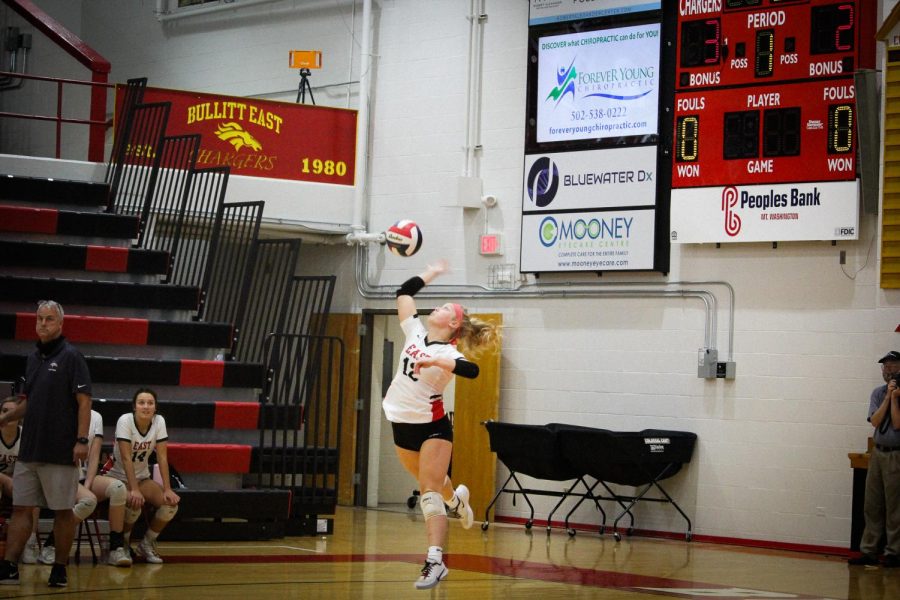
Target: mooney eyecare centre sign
{"points": [[263, 138]]}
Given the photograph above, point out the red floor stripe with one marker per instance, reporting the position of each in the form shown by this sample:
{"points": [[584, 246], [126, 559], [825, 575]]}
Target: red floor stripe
{"points": [[520, 569]]}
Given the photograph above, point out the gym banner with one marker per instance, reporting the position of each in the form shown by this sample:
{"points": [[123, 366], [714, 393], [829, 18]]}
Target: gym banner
{"points": [[262, 138]]}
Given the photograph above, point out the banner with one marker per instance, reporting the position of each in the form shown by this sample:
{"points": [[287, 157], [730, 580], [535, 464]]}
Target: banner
{"points": [[766, 213], [263, 138]]}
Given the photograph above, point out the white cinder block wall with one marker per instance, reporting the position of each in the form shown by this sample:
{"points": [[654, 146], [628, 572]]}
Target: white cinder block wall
{"points": [[772, 457]]}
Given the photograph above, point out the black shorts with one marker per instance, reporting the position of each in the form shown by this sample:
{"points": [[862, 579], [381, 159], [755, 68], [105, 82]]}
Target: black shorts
{"points": [[411, 436]]}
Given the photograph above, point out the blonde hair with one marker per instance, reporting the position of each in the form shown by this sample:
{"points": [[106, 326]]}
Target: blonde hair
{"points": [[476, 335]]}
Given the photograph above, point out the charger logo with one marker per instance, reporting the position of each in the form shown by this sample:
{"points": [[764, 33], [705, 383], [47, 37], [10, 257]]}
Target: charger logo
{"points": [[237, 136], [565, 83], [543, 181], [732, 220]]}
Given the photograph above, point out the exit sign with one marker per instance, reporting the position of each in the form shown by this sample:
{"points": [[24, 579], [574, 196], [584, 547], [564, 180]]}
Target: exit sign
{"points": [[490, 244]]}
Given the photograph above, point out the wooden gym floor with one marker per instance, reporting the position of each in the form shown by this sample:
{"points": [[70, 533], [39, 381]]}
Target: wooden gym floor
{"points": [[376, 554]]}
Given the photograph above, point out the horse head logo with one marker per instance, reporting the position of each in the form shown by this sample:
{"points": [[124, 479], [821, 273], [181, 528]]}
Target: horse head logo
{"points": [[235, 135]]}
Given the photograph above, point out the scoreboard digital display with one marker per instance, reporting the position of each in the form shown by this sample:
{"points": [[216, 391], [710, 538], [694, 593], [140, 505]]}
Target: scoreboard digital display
{"points": [[768, 42], [765, 100], [803, 131]]}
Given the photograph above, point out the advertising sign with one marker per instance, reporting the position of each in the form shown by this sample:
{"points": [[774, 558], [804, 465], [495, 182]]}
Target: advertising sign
{"points": [[555, 11], [615, 240], [262, 138], [592, 179], [598, 84], [766, 213]]}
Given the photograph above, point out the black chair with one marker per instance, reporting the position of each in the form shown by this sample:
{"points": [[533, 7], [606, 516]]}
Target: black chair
{"points": [[533, 450], [638, 459]]}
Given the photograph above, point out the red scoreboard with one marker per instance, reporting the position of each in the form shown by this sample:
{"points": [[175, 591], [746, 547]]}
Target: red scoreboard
{"points": [[764, 91]]}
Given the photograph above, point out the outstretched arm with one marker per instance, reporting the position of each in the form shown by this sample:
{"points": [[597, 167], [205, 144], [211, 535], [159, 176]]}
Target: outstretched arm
{"points": [[406, 306]]}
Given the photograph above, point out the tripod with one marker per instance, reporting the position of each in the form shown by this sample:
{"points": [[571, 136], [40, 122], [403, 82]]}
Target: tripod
{"points": [[304, 87]]}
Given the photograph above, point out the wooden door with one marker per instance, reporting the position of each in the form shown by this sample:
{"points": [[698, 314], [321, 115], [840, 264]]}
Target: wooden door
{"points": [[477, 400]]}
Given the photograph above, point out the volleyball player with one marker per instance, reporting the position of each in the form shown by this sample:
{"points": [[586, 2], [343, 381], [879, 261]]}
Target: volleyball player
{"points": [[423, 434], [138, 434]]}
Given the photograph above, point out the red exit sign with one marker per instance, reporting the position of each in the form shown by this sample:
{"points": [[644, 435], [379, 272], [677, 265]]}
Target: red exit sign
{"points": [[490, 244]]}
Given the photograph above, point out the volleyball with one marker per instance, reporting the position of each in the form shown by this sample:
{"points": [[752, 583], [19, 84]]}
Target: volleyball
{"points": [[404, 238]]}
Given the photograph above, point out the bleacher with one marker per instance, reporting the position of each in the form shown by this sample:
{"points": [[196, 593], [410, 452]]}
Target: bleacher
{"points": [[167, 285]]}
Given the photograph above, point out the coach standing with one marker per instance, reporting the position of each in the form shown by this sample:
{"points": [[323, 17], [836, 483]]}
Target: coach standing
{"points": [[882, 503], [57, 414]]}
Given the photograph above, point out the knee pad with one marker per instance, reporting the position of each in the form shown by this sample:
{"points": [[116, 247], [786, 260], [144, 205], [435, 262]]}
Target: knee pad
{"points": [[117, 493], [84, 507], [432, 505], [132, 514], [165, 512]]}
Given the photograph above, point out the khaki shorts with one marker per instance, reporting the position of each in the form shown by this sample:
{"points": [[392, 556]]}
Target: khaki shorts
{"points": [[45, 484]]}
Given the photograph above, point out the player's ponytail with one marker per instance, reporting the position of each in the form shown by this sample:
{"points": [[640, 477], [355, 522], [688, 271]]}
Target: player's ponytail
{"points": [[477, 335]]}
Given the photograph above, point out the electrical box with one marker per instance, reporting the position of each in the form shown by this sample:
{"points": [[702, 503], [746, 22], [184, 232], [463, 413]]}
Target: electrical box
{"points": [[707, 361], [468, 193], [726, 370]]}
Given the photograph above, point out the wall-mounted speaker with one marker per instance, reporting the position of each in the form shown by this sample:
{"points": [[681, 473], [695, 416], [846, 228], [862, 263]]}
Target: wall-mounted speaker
{"points": [[868, 127]]}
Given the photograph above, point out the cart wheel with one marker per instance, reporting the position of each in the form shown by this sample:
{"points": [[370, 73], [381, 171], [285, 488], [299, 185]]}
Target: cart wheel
{"points": [[484, 526], [688, 536], [630, 531], [411, 502], [618, 536], [528, 524], [548, 529], [602, 529], [571, 531]]}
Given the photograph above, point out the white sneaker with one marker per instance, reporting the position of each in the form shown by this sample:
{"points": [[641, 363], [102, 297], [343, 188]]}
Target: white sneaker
{"points": [[463, 512], [120, 557], [432, 574], [30, 553], [48, 555], [147, 550]]}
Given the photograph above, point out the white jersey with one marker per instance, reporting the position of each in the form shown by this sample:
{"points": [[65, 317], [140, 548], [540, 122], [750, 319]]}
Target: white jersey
{"points": [[10, 454], [142, 445], [418, 398], [95, 430]]}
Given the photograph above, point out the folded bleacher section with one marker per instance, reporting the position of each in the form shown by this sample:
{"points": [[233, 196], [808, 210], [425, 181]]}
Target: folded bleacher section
{"points": [[167, 285]]}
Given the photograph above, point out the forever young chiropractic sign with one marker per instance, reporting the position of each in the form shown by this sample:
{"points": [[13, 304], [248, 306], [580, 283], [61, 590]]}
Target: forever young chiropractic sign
{"points": [[261, 138]]}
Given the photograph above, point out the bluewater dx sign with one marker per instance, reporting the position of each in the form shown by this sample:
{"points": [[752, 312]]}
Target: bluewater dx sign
{"points": [[590, 210]]}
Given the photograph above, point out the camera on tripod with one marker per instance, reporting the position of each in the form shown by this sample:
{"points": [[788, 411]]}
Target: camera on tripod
{"points": [[305, 60]]}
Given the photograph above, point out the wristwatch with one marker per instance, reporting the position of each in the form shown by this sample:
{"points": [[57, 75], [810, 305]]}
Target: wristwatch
{"points": [[82, 440]]}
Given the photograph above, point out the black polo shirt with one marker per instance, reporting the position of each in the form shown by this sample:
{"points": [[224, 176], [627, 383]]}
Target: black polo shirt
{"points": [[50, 426]]}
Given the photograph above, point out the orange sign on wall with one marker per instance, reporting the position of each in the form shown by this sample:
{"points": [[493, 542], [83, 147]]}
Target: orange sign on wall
{"points": [[263, 138]]}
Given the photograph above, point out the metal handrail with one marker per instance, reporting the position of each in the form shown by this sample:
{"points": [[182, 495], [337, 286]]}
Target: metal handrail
{"points": [[58, 118]]}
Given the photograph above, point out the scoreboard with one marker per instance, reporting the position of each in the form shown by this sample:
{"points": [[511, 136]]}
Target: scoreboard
{"points": [[801, 131], [752, 42], [765, 96]]}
